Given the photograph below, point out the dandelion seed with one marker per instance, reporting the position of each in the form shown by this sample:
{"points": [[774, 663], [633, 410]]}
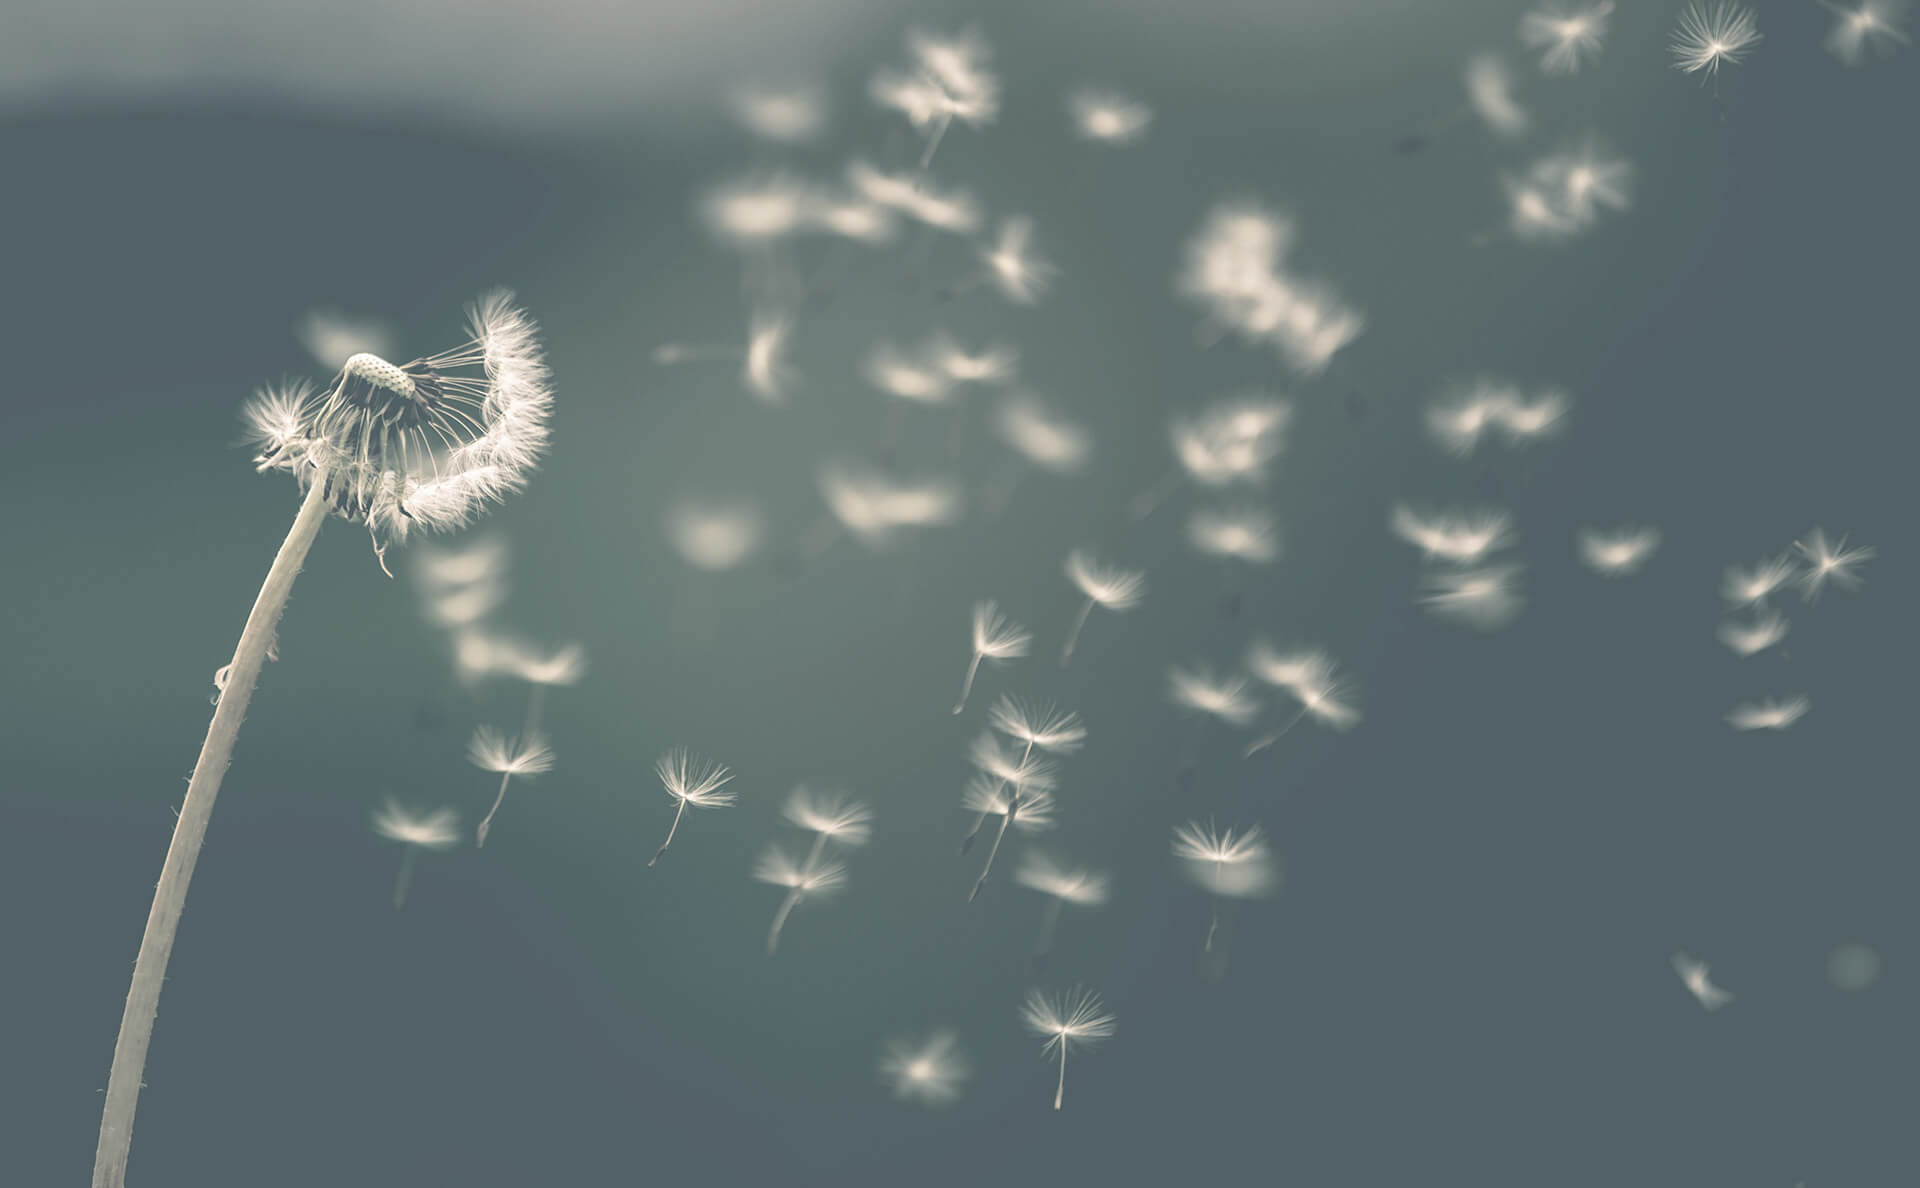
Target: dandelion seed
{"points": [[950, 81], [1313, 680], [788, 116], [465, 606], [1490, 94], [1022, 804], [714, 535], [1708, 36], [893, 373], [1768, 628], [1748, 587], [437, 830], [1525, 421], [765, 371], [1617, 552], [1238, 533], [690, 780], [1693, 974], [830, 817], [929, 1071], [482, 559], [1040, 436], [1233, 441], [1020, 275], [1829, 562], [1227, 863], [990, 366], [996, 639], [1869, 25], [1773, 713], [1459, 421], [875, 508], [954, 212], [1202, 691], [1108, 117], [756, 212], [1023, 770], [1076, 1018], [490, 750], [332, 337], [1038, 725], [812, 878], [1566, 34], [1061, 885], [1565, 193], [1103, 585], [1233, 268], [1486, 598], [1458, 537]]}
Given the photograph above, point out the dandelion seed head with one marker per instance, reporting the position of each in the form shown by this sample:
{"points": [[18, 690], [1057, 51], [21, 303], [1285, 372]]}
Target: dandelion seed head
{"points": [[1830, 563], [1709, 35], [985, 794], [1694, 975], [1240, 533], [1233, 268], [864, 222], [436, 830], [1108, 117], [950, 80], [1038, 724], [563, 665], [1231, 441], [1773, 713], [1202, 691], [1113, 587], [815, 877], [996, 637], [1040, 436], [1485, 598], [930, 1071], [1490, 94], [830, 813], [1457, 536], [1768, 628], [492, 750], [875, 508], [693, 779], [991, 365], [1744, 587], [714, 535], [1229, 862], [1617, 552], [1082, 888], [1077, 1017], [913, 196], [788, 116], [1031, 773], [892, 372], [765, 371], [1566, 34], [1019, 274], [752, 212], [1869, 25]]}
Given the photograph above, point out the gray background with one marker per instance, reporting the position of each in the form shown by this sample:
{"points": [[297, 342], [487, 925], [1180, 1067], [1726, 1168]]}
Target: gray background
{"points": [[1464, 979]]}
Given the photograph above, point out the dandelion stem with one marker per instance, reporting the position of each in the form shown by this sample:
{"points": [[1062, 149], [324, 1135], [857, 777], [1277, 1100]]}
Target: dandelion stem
{"points": [[1013, 806], [670, 832], [1073, 635], [1048, 921], [486, 823], [1266, 740], [933, 142], [1147, 501], [966, 686], [1060, 1091], [404, 880], [189, 832], [780, 920], [819, 848]]}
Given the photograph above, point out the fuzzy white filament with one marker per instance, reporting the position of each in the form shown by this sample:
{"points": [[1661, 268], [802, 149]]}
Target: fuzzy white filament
{"points": [[996, 639], [690, 780], [1075, 1017], [1103, 585], [437, 830], [1061, 885], [490, 750], [1226, 862], [1708, 36], [814, 876], [929, 1071]]}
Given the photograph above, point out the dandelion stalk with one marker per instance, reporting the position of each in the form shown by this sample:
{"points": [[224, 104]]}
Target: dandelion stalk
{"points": [[1049, 920], [1266, 740], [780, 920], [1073, 634], [189, 832], [1060, 1090], [404, 880], [966, 686], [677, 813], [486, 822], [1013, 810]]}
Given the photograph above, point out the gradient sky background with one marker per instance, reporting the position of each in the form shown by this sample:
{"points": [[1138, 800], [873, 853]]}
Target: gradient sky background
{"points": [[1464, 978]]}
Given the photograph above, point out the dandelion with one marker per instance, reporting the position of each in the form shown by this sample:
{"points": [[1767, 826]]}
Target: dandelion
{"points": [[929, 1071], [1011, 265], [756, 212], [992, 365], [891, 371], [1041, 436], [1750, 587], [816, 876], [1458, 422], [332, 337], [1108, 117], [1458, 537], [1768, 628], [714, 535], [875, 508], [1773, 713], [1525, 420], [1108, 586], [1061, 885], [954, 212], [1871, 24], [1490, 94], [995, 638], [1028, 806], [422, 445], [490, 750], [830, 817], [764, 369], [1312, 679], [438, 830], [1485, 598], [690, 780], [1023, 770], [1565, 193], [1202, 691], [1077, 1017], [1566, 34], [1693, 974], [1229, 442], [1240, 533], [950, 81], [1234, 269], [788, 116], [463, 606], [1225, 862], [1038, 725], [1829, 562], [1708, 36], [461, 586], [1619, 551]]}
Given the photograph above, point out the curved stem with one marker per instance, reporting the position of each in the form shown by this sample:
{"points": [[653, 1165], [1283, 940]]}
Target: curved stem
{"points": [[189, 832], [933, 142], [1061, 1090], [1048, 923], [780, 920], [1145, 503], [1073, 635], [1266, 740], [966, 686], [1013, 806], [670, 832], [486, 822]]}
